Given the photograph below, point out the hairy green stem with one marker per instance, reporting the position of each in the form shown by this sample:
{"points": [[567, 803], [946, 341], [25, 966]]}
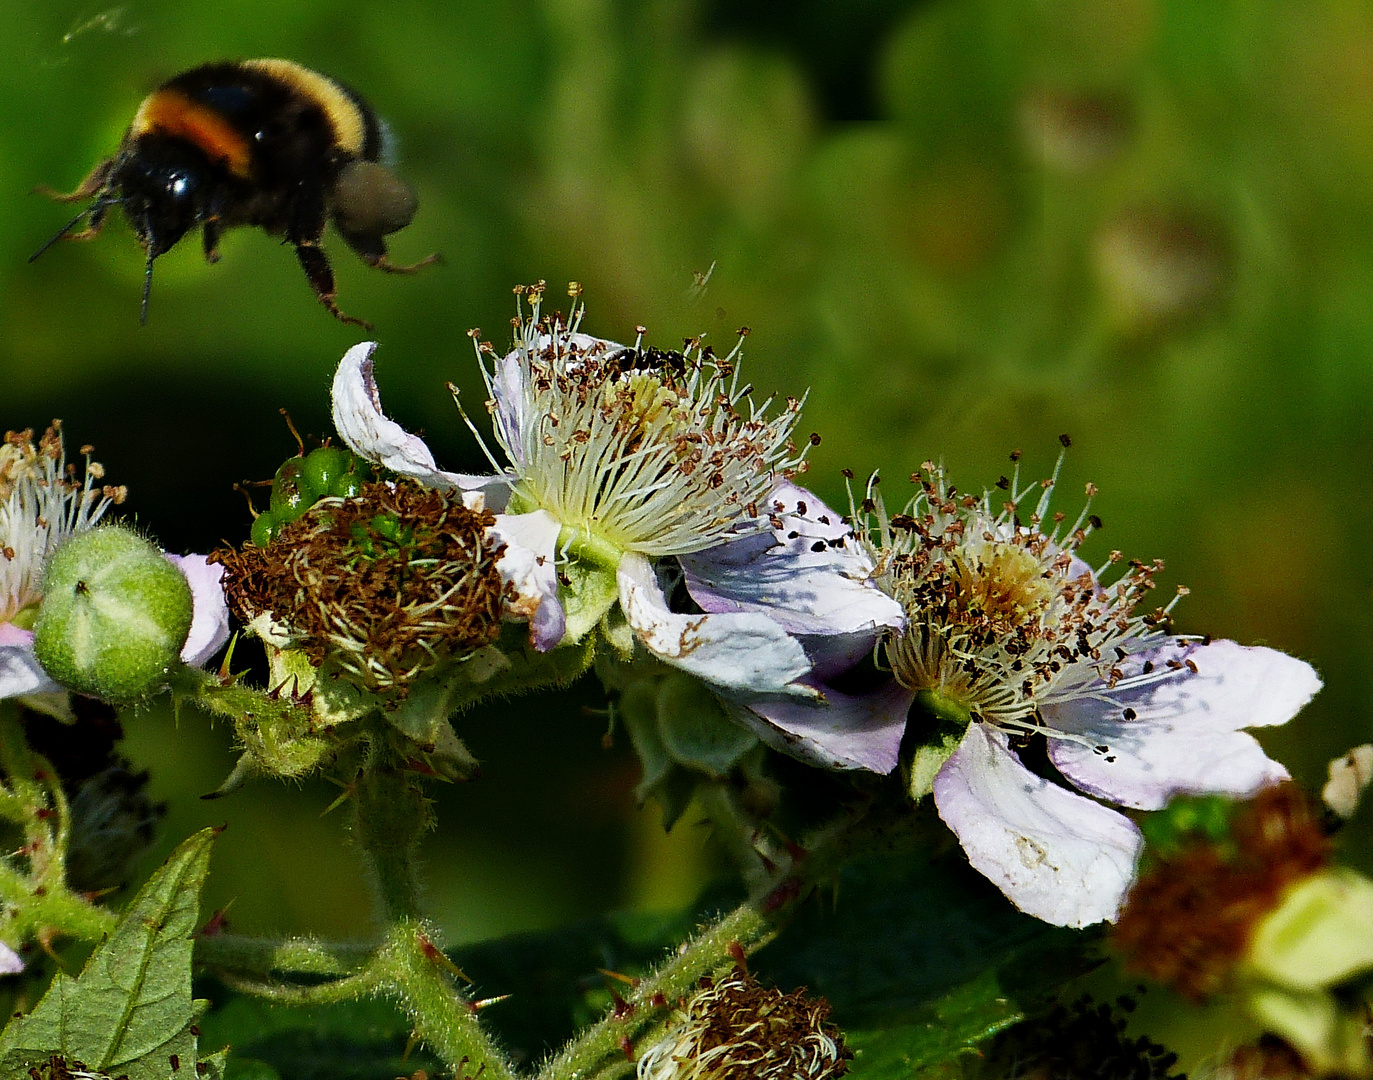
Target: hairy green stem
{"points": [[250, 956], [601, 1048]]}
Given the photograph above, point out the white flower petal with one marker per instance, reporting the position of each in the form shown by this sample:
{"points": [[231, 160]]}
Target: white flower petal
{"points": [[843, 732], [799, 575], [10, 963], [368, 433], [1183, 736], [1057, 856], [20, 673], [746, 653], [210, 614], [529, 564]]}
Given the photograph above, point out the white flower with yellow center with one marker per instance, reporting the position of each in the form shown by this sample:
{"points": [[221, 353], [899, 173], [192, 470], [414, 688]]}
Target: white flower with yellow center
{"points": [[43, 504], [616, 457], [1012, 643]]}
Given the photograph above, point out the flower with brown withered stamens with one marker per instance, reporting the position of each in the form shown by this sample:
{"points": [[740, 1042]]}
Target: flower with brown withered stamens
{"points": [[735, 1029], [383, 585]]}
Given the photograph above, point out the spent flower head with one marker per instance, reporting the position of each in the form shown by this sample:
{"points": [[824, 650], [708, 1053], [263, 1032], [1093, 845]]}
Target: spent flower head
{"points": [[735, 1029], [657, 452], [384, 585]]}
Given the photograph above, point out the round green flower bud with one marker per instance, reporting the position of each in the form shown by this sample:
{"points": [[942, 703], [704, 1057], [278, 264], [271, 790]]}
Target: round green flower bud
{"points": [[114, 616]]}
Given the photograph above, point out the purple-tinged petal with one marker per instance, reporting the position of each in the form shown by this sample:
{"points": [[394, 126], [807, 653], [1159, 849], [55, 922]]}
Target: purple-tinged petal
{"points": [[368, 433], [808, 575], [529, 564], [10, 962], [210, 614], [1057, 856], [844, 732], [20, 673], [747, 654], [1181, 734]]}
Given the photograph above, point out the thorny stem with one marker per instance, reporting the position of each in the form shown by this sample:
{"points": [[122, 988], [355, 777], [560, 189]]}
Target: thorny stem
{"points": [[39, 903], [601, 1048]]}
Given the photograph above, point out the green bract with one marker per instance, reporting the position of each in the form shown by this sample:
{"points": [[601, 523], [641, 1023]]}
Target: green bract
{"points": [[114, 616]]}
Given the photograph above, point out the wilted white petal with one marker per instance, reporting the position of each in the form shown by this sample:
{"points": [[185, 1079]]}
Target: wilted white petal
{"points": [[372, 436], [843, 732], [528, 564], [20, 673], [745, 653], [1057, 856], [1181, 734], [210, 614], [808, 575]]}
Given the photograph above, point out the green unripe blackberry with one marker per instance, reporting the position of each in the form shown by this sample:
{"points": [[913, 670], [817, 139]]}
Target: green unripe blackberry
{"points": [[292, 494], [114, 616]]}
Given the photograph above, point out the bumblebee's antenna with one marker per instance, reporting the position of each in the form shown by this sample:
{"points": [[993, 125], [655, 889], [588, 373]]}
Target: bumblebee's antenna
{"points": [[147, 283], [61, 233]]}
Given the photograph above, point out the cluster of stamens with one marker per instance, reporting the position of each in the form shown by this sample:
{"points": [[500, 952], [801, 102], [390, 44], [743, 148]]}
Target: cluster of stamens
{"points": [[43, 501], [1003, 617], [735, 1029], [384, 585], [663, 453]]}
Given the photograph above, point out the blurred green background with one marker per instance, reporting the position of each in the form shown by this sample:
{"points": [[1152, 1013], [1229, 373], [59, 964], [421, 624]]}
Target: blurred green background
{"points": [[966, 225]]}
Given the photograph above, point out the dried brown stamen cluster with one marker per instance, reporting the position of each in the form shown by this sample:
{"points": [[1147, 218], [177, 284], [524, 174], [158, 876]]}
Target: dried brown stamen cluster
{"points": [[384, 584], [1004, 617], [735, 1029], [662, 453], [1190, 916]]}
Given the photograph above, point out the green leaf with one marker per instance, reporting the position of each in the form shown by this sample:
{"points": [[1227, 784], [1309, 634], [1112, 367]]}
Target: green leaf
{"points": [[922, 959], [354, 1040], [953, 1026], [130, 1011]]}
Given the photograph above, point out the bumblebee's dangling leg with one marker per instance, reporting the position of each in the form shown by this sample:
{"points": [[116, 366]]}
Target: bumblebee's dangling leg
{"points": [[93, 185], [317, 271], [210, 233], [389, 267]]}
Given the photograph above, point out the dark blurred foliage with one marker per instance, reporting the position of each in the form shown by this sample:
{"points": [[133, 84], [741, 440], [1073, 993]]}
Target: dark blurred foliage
{"points": [[967, 225]]}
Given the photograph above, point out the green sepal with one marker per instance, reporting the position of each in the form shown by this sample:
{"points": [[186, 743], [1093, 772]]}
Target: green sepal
{"points": [[589, 591], [936, 727]]}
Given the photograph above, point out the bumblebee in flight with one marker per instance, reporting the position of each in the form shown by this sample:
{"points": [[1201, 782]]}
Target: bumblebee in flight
{"points": [[252, 142]]}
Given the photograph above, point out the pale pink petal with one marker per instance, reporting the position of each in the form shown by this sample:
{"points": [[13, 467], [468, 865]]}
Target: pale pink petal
{"points": [[844, 732], [1057, 856], [10, 963], [808, 575], [1182, 732], [368, 433], [210, 614], [528, 564], [748, 654], [20, 673]]}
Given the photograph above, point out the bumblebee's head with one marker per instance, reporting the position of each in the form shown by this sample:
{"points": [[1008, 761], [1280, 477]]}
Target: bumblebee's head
{"points": [[162, 188]]}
